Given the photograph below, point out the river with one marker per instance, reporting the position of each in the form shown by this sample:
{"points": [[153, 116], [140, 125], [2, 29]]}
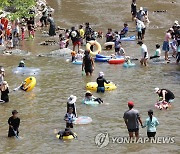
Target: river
{"points": [[42, 110]]}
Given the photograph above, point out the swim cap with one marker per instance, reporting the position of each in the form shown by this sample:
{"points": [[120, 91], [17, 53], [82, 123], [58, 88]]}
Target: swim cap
{"points": [[130, 103], [101, 74], [156, 89]]}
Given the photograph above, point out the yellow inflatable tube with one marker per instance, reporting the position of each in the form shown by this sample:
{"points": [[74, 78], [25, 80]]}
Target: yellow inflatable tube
{"points": [[29, 84], [70, 137], [93, 86], [98, 46]]}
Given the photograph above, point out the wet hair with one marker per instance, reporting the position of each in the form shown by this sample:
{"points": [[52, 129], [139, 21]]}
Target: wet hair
{"points": [[72, 28], [158, 46]]}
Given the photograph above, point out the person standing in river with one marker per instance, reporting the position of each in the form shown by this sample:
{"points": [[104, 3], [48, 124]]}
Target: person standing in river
{"points": [[4, 88], [88, 64], [132, 120], [14, 123], [52, 28], [133, 9], [166, 42]]}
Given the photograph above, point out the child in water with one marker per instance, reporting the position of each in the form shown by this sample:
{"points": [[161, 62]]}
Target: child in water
{"points": [[66, 132], [69, 118], [100, 81], [73, 54], [90, 97], [14, 123], [151, 123], [157, 52]]}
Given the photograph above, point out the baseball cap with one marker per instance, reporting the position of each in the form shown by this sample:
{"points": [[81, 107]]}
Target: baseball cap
{"points": [[156, 89], [130, 103]]}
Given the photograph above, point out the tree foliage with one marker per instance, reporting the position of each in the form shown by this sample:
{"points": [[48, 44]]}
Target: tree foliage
{"points": [[17, 8]]}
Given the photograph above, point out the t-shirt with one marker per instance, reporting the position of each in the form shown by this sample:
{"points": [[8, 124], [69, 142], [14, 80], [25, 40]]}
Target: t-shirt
{"points": [[70, 117], [144, 50], [14, 122], [151, 125], [157, 52], [167, 37], [117, 43], [168, 96], [125, 30], [100, 81], [81, 31], [132, 118]]}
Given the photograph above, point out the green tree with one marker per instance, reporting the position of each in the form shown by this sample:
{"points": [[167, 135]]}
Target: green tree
{"points": [[18, 8]]}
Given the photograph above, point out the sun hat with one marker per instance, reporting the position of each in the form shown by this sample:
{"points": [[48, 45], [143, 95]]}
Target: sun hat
{"points": [[141, 8], [72, 99], [156, 89]]}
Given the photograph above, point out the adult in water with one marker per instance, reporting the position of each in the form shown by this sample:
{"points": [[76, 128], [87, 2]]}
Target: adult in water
{"points": [[52, 28], [71, 102], [4, 88], [21, 64], [88, 31], [165, 95], [124, 31], [88, 64], [166, 42], [133, 9], [2, 74], [132, 120], [14, 123], [75, 37], [100, 81], [66, 132], [144, 53]]}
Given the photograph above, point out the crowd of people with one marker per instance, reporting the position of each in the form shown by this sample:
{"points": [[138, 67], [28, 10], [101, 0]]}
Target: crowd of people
{"points": [[10, 33]]}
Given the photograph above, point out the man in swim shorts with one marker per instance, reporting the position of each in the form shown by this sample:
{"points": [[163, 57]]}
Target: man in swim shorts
{"points": [[132, 120]]}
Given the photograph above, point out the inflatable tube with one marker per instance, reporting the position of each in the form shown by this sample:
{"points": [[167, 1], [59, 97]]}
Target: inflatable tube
{"points": [[116, 61], [82, 120], [90, 102], [161, 106], [109, 44], [102, 56], [70, 137], [98, 46], [77, 62], [130, 38], [101, 59], [93, 86], [129, 65], [26, 70], [30, 83]]}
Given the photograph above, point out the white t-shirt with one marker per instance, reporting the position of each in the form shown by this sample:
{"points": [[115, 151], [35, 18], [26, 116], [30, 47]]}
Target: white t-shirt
{"points": [[144, 50]]}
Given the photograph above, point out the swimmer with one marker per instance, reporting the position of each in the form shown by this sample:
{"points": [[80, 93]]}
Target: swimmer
{"points": [[89, 97], [21, 64], [157, 52], [151, 123], [66, 132], [100, 81]]}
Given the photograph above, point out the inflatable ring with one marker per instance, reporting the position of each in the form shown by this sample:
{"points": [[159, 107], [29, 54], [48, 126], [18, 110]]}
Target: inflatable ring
{"points": [[90, 102], [70, 137], [88, 47], [82, 120], [30, 83], [93, 86]]}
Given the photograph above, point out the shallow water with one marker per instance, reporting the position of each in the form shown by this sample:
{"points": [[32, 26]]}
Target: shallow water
{"points": [[42, 110]]}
